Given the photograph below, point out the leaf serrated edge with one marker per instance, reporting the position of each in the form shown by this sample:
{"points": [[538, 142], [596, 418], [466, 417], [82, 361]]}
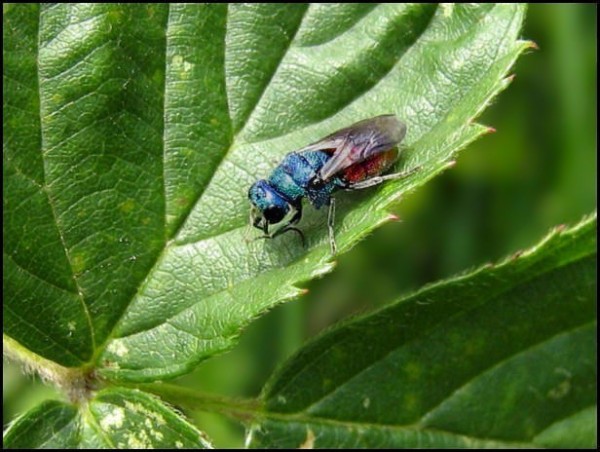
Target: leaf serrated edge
{"points": [[292, 291], [587, 222], [480, 129], [468, 132]]}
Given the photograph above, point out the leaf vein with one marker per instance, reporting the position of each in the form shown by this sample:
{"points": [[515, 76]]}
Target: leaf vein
{"points": [[51, 201]]}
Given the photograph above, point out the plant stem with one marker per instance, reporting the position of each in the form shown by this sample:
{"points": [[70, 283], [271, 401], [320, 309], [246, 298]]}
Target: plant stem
{"points": [[240, 409]]}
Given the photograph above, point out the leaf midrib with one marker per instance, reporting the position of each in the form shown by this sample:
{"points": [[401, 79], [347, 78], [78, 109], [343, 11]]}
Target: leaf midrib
{"points": [[305, 417], [236, 142], [170, 240], [328, 422], [432, 327], [43, 149]]}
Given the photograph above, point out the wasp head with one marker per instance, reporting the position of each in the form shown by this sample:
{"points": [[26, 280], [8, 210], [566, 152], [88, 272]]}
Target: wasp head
{"points": [[268, 208]]}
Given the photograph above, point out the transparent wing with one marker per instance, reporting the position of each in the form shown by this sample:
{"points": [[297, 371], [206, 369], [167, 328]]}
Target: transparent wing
{"points": [[358, 142]]}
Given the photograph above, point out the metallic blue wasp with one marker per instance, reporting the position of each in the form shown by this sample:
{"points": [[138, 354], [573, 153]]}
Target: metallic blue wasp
{"points": [[349, 159]]}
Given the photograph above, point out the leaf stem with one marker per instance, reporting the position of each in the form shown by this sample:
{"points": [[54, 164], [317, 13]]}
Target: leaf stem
{"points": [[244, 410]]}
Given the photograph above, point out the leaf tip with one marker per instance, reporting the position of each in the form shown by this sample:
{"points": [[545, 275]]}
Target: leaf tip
{"points": [[517, 254], [325, 268], [531, 45], [560, 228]]}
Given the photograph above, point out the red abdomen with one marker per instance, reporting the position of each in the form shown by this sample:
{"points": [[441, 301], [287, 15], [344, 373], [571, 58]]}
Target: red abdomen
{"points": [[373, 166]]}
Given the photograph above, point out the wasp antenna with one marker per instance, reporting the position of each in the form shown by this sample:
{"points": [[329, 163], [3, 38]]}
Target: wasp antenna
{"points": [[246, 234], [300, 234]]}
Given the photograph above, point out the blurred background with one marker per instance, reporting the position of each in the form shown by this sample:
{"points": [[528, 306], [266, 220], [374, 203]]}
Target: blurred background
{"points": [[507, 190]]}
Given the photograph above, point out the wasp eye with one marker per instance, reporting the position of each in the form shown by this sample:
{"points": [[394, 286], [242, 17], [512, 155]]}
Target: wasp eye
{"points": [[274, 214], [315, 183]]}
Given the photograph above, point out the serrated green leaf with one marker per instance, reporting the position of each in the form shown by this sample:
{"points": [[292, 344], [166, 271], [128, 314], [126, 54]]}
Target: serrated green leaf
{"points": [[51, 424], [132, 134], [114, 418], [501, 357]]}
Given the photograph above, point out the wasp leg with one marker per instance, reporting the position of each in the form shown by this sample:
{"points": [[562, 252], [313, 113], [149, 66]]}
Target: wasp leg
{"points": [[330, 222], [281, 231], [380, 179], [295, 219]]}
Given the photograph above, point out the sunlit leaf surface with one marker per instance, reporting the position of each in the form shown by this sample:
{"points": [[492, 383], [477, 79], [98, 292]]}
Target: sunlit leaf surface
{"points": [[132, 134]]}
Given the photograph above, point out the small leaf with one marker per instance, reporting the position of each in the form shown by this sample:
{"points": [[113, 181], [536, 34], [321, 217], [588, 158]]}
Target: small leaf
{"points": [[51, 424], [115, 418], [501, 357], [132, 134]]}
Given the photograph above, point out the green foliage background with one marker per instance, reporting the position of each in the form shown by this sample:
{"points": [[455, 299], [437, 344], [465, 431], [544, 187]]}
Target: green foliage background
{"points": [[506, 191]]}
